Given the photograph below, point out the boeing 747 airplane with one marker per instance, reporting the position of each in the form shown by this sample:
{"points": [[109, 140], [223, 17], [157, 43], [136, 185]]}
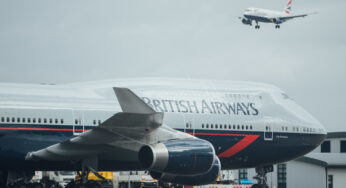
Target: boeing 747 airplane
{"points": [[269, 16], [181, 131]]}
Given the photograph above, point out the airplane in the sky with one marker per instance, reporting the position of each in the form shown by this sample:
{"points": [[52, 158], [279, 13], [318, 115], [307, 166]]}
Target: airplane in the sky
{"points": [[181, 131], [269, 16]]}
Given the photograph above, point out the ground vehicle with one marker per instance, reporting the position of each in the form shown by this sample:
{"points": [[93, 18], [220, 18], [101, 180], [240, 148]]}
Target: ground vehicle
{"points": [[94, 181], [50, 179]]}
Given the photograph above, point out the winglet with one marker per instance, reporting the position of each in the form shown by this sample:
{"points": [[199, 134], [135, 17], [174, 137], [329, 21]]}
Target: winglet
{"points": [[130, 102]]}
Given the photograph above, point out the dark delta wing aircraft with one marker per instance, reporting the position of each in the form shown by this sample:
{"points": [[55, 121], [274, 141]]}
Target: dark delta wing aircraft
{"points": [[269, 16], [181, 131]]}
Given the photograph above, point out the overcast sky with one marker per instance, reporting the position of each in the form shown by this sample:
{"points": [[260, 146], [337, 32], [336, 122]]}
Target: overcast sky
{"points": [[70, 41]]}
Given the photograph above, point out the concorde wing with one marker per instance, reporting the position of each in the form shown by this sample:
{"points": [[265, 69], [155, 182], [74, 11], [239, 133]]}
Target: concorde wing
{"points": [[125, 131]]}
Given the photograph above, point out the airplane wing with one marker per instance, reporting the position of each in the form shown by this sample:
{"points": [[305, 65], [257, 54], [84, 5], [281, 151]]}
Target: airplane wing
{"points": [[293, 16], [125, 131], [288, 17]]}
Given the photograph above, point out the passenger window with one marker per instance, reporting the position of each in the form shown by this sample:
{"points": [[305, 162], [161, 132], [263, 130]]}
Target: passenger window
{"points": [[23, 120], [233, 126], [39, 120], [246, 127], [187, 125], [202, 125], [211, 126], [242, 127], [225, 126], [29, 120], [50, 120], [34, 120], [76, 121], [2, 119], [13, 119], [45, 120], [229, 126], [207, 125], [250, 127], [94, 122], [18, 120], [238, 127], [216, 126], [62, 121], [7, 119], [56, 121]]}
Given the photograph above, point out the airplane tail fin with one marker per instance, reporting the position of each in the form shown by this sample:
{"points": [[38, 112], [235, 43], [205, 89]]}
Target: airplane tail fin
{"points": [[288, 8]]}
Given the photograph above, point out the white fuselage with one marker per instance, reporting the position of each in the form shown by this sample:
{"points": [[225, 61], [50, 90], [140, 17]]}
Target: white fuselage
{"points": [[263, 15], [203, 102], [240, 119]]}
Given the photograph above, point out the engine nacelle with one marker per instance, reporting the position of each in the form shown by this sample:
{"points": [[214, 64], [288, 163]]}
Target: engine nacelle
{"points": [[183, 156], [277, 20], [203, 179], [246, 21]]}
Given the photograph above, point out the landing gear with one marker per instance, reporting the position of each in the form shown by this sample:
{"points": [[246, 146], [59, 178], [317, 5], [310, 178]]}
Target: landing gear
{"points": [[88, 165], [257, 26], [261, 176], [277, 26]]}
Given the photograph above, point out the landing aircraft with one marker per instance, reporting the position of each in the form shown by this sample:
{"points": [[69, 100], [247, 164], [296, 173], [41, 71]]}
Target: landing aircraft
{"points": [[269, 16], [181, 131]]}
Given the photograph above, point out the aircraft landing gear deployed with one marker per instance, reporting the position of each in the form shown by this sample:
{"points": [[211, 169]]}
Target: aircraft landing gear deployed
{"points": [[257, 26], [277, 26], [261, 176]]}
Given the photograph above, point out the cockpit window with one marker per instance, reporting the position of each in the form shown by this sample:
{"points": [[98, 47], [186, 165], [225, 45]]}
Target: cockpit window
{"points": [[284, 95]]}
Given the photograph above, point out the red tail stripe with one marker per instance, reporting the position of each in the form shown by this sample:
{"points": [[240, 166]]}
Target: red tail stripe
{"points": [[289, 3]]}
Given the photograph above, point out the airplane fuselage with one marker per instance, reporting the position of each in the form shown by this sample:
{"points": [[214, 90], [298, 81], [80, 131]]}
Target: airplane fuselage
{"points": [[262, 15], [249, 124]]}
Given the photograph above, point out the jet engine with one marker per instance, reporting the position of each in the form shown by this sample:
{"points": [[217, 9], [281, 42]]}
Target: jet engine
{"points": [[180, 156], [202, 179], [246, 21], [277, 20]]}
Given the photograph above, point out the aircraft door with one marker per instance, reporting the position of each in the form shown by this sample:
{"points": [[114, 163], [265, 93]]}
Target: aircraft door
{"points": [[78, 122], [268, 132], [189, 126]]}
